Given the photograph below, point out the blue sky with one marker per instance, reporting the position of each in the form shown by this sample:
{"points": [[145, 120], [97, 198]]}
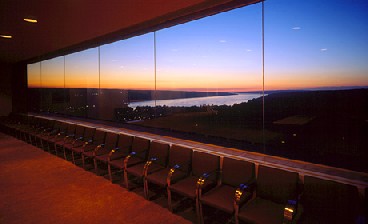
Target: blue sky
{"points": [[308, 44]]}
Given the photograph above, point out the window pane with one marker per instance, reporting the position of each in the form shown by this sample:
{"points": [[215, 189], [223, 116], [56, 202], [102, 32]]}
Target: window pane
{"points": [[318, 49]]}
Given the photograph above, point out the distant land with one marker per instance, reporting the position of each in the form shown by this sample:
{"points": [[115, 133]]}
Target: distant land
{"points": [[142, 95], [309, 89]]}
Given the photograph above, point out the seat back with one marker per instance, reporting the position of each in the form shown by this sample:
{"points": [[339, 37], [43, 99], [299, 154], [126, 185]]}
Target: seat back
{"points": [[160, 151], [57, 125], [141, 146], [236, 172], [330, 201], [276, 185], [49, 123], [79, 131], [205, 163], [110, 140], [182, 156], [63, 127], [88, 133], [99, 137], [70, 129], [125, 143]]}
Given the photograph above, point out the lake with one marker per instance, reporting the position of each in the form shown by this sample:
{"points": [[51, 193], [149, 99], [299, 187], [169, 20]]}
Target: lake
{"points": [[198, 101]]}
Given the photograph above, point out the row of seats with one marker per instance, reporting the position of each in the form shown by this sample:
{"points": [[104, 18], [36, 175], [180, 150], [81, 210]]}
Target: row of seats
{"points": [[248, 192]]}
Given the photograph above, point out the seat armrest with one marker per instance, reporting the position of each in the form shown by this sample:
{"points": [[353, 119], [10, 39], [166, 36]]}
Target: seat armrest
{"points": [[90, 141], [112, 152], [204, 177], [99, 147], [290, 210], [126, 160], [201, 181], [146, 166], [239, 196], [68, 137], [170, 174]]}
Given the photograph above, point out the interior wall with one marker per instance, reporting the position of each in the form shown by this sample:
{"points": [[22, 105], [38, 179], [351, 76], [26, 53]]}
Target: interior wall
{"points": [[5, 89], [19, 88]]}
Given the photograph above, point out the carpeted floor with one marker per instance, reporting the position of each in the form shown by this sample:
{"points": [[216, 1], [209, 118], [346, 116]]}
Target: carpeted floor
{"points": [[37, 187]]}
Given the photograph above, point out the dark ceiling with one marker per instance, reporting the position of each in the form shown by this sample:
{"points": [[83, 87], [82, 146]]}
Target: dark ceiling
{"points": [[65, 26]]}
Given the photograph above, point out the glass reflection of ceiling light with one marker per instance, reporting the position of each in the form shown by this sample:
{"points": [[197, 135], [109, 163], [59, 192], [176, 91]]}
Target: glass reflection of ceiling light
{"points": [[6, 36], [30, 20]]}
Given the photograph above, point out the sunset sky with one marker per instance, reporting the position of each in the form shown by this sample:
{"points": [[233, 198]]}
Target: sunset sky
{"points": [[308, 44]]}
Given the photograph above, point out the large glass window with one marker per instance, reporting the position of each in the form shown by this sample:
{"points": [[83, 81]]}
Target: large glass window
{"points": [[205, 77], [82, 82], [127, 76], [316, 53]]}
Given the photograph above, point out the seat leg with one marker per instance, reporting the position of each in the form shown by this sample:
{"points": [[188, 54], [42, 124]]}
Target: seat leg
{"points": [[169, 199], [95, 164], [145, 184], [199, 211], [109, 169], [64, 152], [55, 148], [83, 163], [126, 179], [73, 159]]}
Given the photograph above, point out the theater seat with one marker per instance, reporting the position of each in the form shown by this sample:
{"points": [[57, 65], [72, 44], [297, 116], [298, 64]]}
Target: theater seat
{"points": [[101, 152], [138, 155], [179, 166], [87, 150], [236, 176], [203, 177], [275, 190], [326, 201], [79, 142], [116, 157], [70, 140], [157, 160], [59, 141]]}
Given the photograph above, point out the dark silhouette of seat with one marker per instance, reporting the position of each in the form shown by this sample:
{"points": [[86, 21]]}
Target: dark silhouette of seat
{"points": [[52, 126], [116, 157], [59, 130], [87, 150], [80, 141], [59, 140], [275, 190], [89, 144], [101, 152], [46, 125], [179, 165], [139, 154], [327, 201], [69, 141], [203, 177], [157, 160], [236, 176]]}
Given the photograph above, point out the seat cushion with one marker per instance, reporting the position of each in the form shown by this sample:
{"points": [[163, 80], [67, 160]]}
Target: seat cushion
{"points": [[187, 186], [221, 198], [89, 153], [78, 149], [262, 211], [102, 158], [118, 163], [159, 177], [137, 170]]}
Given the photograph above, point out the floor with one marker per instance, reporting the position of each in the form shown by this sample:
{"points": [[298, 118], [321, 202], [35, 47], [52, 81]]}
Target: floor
{"points": [[39, 187]]}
